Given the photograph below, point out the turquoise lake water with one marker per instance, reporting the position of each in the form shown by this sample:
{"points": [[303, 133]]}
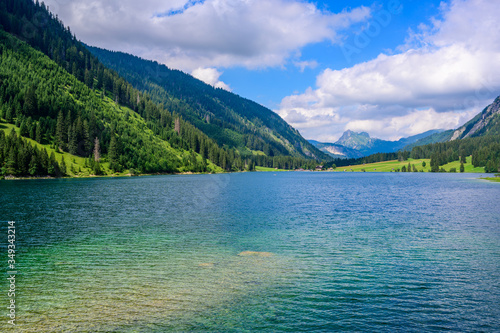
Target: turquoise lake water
{"points": [[255, 252]]}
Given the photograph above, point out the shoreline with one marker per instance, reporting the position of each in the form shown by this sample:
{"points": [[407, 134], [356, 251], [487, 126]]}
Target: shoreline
{"points": [[491, 179], [12, 178], [115, 175]]}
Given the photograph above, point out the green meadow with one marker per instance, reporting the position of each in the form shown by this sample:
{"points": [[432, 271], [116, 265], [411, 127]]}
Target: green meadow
{"points": [[261, 168], [394, 165]]}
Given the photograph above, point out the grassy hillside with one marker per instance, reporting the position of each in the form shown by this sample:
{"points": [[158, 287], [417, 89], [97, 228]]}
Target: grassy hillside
{"points": [[394, 165], [78, 166]]}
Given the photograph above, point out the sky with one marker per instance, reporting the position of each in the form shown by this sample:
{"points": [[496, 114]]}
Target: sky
{"points": [[392, 68]]}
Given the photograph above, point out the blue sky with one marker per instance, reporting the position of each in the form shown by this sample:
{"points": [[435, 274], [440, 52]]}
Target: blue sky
{"points": [[270, 85], [393, 68]]}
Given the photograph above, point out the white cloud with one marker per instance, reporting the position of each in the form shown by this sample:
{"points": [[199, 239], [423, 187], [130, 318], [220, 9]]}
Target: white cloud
{"points": [[210, 76], [302, 65], [442, 76], [413, 123], [212, 33]]}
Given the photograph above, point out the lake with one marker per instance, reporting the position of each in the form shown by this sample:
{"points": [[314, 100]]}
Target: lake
{"points": [[254, 252]]}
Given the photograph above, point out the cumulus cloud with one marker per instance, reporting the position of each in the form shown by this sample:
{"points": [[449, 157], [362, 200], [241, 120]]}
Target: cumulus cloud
{"points": [[413, 123], [443, 75], [211, 33], [210, 76]]}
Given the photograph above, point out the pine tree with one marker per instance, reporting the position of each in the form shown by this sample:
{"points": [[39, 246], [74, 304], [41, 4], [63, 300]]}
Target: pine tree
{"points": [[33, 166], [44, 161], [462, 168], [67, 126], [113, 153], [38, 133], [491, 166], [52, 169], [96, 168], [87, 141], [78, 129], [72, 143], [60, 131], [10, 167], [203, 150], [30, 102], [63, 165], [89, 80], [8, 114], [24, 129], [193, 161]]}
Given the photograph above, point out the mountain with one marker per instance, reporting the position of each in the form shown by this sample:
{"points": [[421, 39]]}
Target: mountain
{"points": [[335, 150], [437, 137], [61, 116], [358, 141], [479, 138], [486, 122], [354, 145], [366, 145], [62, 112], [225, 117]]}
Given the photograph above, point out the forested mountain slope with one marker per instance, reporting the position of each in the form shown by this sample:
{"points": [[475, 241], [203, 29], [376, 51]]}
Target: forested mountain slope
{"points": [[52, 107], [226, 117], [487, 122], [74, 104]]}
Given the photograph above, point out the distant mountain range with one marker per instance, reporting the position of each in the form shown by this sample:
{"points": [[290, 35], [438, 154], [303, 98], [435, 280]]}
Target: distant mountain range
{"points": [[354, 144], [336, 150]]}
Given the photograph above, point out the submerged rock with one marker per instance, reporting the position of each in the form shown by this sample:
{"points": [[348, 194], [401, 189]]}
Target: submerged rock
{"points": [[255, 254], [206, 264]]}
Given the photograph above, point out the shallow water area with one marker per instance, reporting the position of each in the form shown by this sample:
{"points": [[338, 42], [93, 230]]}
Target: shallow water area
{"points": [[267, 252]]}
